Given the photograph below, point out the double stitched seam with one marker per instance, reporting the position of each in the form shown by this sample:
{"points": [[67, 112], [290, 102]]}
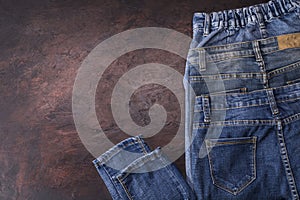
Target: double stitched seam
{"points": [[284, 69], [293, 81], [231, 107], [128, 170], [261, 90], [227, 55], [234, 123], [105, 157], [237, 44], [217, 57], [125, 189], [112, 181], [276, 49], [266, 51], [226, 76], [208, 149], [291, 118], [286, 162], [212, 60], [232, 142], [142, 145], [260, 62], [249, 106], [136, 164]]}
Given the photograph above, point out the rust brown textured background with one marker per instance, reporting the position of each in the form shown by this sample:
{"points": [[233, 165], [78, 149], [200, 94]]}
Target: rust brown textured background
{"points": [[42, 45]]}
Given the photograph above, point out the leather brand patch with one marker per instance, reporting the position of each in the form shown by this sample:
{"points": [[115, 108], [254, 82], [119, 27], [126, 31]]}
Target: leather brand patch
{"points": [[288, 41]]}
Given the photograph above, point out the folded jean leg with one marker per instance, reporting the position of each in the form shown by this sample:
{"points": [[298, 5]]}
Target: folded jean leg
{"points": [[118, 157], [146, 175]]}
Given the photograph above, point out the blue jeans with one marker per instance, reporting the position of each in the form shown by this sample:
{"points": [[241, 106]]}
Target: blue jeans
{"points": [[242, 86], [141, 173]]}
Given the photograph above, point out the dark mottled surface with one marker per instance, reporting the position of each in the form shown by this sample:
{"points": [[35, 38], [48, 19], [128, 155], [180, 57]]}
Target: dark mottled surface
{"points": [[42, 45]]}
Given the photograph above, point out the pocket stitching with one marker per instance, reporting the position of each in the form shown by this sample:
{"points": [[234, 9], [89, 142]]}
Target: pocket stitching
{"points": [[253, 166]]}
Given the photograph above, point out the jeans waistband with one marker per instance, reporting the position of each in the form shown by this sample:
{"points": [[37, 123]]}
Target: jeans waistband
{"points": [[248, 99], [244, 49], [240, 17]]}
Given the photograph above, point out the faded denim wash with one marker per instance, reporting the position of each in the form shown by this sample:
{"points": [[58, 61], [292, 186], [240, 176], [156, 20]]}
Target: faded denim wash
{"points": [[242, 84], [132, 176]]}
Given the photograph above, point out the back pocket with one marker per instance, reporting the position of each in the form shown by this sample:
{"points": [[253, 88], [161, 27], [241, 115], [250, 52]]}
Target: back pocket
{"points": [[232, 162]]}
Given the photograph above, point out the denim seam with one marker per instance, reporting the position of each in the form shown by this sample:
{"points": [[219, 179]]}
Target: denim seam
{"points": [[231, 54], [200, 26], [229, 143], [231, 46], [225, 79], [286, 162], [125, 189], [260, 61], [136, 165], [105, 158], [253, 168], [260, 90], [285, 121], [289, 99], [116, 149], [142, 145], [217, 57], [228, 76], [293, 81], [174, 179], [291, 119], [284, 69], [138, 162], [265, 51], [233, 91], [277, 50], [112, 181], [228, 58], [237, 44], [172, 175], [234, 123], [249, 106], [270, 74]]}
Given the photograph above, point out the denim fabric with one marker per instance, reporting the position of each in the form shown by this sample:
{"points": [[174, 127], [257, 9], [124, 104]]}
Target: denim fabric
{"points": [[242, 83], [242, 120], [129, 171]]}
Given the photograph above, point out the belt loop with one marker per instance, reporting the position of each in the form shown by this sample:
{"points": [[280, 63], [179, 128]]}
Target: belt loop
{"points": [[206, 108], [202, 59], [261, 21], [257, 51], [272, 101], [206, 24]]}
